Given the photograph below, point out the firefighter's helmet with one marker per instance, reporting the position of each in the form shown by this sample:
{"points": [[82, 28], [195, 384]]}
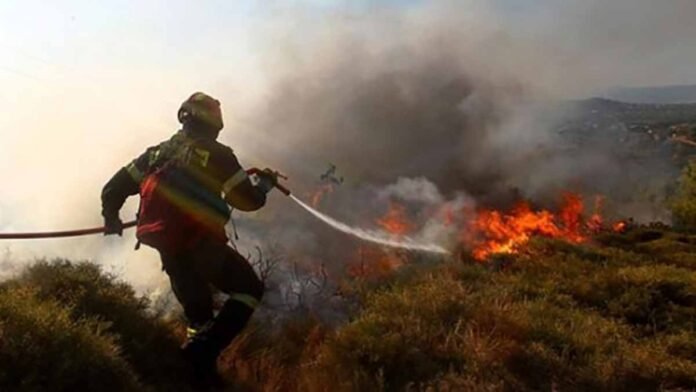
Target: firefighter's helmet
{"points": [[201, 109]]}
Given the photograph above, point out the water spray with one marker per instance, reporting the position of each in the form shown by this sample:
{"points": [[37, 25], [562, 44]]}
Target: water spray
{"points": [[375, 236]]}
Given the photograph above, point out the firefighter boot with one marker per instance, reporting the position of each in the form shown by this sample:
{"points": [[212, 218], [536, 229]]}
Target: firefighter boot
{"points": [[203, 348], [203, 361]]}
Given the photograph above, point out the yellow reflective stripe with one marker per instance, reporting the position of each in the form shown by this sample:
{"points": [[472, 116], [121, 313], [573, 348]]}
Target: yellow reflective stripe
{"points": [[134, 172], [203, 155], [154, 154], [235, 180], [191, 332], [246, 299]]}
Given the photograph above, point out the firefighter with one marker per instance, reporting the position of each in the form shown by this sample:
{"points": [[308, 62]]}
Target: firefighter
{"points": [[186, 184]]}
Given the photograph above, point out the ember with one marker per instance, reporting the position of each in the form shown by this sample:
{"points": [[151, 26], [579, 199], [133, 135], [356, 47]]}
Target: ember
{"points": [[619, 227]]}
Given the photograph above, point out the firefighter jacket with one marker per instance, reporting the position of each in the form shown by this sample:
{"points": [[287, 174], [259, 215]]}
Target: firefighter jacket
{"points": [[209, 178]]}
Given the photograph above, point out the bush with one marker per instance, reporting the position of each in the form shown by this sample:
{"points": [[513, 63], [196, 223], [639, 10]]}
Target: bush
{"points": [[90, 300], [684, 203], [146, 340], [558, 317], [617, 314], [43, 348], [275, 358]]}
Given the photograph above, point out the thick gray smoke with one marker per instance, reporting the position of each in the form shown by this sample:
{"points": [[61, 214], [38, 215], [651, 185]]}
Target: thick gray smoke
{"points": [[412, 109], [456, 92]]}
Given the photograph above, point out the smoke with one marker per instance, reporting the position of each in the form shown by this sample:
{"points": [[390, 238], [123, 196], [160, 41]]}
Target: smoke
{"points": [[620, 42], [460, 93], [449, 106], [413, 189], [438, 104]]}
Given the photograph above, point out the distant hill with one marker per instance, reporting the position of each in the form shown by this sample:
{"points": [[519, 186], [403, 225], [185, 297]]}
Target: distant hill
{"points": [[660, 95], [655, 114]]}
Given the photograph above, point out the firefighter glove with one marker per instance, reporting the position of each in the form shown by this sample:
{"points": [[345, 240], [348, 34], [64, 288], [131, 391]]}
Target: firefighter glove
{"points": [[267, 180], [113, 225]]}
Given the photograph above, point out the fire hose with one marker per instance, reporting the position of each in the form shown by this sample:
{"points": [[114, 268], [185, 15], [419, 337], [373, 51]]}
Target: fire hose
{"points": [[59, 234], [99, 230]]}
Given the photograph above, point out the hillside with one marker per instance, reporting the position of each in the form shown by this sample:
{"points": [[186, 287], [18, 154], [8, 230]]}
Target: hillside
{"points": [[615, 314], [660, 95], [643, 134], [635, 115]]}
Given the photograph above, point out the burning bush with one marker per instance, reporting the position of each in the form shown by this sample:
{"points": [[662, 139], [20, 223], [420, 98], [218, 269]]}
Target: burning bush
{"points": [[494, 232]]}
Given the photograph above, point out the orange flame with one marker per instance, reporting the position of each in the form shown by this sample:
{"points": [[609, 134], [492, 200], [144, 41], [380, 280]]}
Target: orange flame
{"points": [[373, 262], [395, 221], [596, 222], [320, 193], [497, 232], [619, 227]]}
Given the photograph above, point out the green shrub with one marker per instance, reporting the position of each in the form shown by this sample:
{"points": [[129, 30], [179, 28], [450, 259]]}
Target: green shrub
{"points": [[617, 314], [146, 342], [43, 348], [559, 317], [654, 297], [683, 204]]}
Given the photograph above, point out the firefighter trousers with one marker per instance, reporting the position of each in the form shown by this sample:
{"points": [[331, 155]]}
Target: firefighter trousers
{"points": [[212, 263]]}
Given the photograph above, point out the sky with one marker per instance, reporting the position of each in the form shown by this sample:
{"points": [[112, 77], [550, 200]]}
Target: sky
{"points": [[87, 85]]}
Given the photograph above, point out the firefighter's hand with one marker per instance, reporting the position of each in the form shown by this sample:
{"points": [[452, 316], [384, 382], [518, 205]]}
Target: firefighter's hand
{"points": [[113, 225], [267, 180]]}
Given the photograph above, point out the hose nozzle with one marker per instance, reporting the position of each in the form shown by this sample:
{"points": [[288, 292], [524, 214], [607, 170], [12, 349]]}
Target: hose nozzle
{"points": [[274, 175]]}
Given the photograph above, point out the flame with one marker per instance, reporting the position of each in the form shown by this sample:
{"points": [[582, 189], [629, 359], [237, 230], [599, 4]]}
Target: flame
{"points": [[619, 227], [497, 232], [372, 262], [596, 221], [571, 218], [320, 193], [395, 221]]}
